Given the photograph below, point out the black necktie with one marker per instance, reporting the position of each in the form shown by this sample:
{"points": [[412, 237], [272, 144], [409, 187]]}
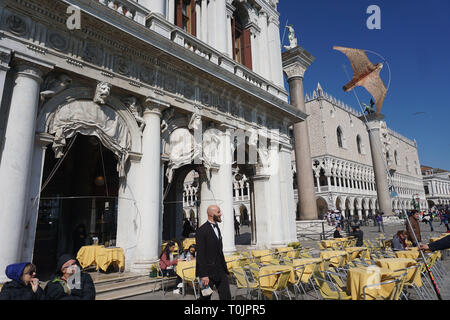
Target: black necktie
{"points": [[216, 227]]}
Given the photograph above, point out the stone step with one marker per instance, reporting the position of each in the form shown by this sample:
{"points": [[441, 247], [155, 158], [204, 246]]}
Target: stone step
{"points": [[116, 278], [130, 288]]}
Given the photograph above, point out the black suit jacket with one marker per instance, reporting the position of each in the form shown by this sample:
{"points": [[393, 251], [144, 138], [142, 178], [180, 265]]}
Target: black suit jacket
{"points": [[441, 244], [210, 261]]}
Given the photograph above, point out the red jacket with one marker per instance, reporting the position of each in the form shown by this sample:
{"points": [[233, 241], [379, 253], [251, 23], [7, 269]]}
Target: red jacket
{"points": [[164, 262]]}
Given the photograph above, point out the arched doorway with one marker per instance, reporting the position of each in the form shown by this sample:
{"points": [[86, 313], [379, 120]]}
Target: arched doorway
{"points": [[82, 192], [322, 207]]}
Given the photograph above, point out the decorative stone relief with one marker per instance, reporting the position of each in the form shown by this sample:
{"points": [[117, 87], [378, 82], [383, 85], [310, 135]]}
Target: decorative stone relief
{"points": [[55, 84], [122, 65], [58, 42], [102, 92], [166, 116], [91, 53], [135, 108], [17, 25]]}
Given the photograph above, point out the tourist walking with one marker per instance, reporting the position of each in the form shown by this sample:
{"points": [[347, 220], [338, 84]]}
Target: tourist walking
{"points": [[380, 223], [428, 218], [61, 287], [414, 221], [23, 285], [211, 267], [236, 226]]}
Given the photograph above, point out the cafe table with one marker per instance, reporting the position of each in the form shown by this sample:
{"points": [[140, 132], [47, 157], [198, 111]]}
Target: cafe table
{"points": [[333, 243], [336, 256], [358, 277], [107, 256], [189, 267], [394, 264], [86, 256], [270, 281], [264, 256], [305, 273], [357, 252], [411, 253]]}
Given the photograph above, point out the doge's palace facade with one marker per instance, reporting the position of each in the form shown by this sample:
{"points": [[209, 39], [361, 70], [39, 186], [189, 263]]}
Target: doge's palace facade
{"points": [[164, 85]]}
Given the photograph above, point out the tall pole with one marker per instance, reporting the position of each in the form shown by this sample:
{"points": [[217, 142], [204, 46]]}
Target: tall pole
{"points": [[295, 63]]}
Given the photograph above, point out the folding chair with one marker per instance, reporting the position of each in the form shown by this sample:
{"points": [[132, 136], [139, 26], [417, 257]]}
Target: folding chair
{"points": [[328, 289], [192, 280], [395, 293], [243, 281], [280, 287]]}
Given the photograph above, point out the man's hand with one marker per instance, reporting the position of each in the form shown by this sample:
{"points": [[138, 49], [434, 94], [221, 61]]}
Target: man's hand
{"points": [[205, 281], [424, 247], [34, 284]]}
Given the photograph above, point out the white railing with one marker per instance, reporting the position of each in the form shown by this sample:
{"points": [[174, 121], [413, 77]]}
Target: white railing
{"points": [[127, 8]]}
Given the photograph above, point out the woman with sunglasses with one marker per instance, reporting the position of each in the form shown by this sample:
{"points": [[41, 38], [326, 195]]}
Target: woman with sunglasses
{"points": [[23, 284], [69, 282]]}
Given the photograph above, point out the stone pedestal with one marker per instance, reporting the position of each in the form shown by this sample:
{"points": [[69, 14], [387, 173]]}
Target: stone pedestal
{"points": [[379, 163], [295, 63]]}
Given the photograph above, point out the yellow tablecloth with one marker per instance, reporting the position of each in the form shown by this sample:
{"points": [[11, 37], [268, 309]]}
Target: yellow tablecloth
{"points": [[188, 242], [106, 256], [400, 263], [270, 281], [357, 252], [86, 256], [264, 254], [188, 274], [284, 249], [359, 277], [333, 243], [307, 273], [411, 253], [232, 261], [335, 257]]}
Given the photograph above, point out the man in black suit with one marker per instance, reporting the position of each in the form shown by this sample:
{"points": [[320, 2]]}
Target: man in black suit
{"points": [[211, 267]]}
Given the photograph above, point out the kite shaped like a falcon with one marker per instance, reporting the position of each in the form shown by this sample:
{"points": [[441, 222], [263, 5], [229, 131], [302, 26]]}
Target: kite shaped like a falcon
{"points": [[365, 74]]}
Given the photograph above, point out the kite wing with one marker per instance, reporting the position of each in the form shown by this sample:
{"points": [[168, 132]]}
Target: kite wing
{"points": [[365, 74], [376, 88]]}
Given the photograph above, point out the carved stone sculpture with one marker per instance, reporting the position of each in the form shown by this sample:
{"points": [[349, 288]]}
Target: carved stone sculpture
{"points": [[135, 108], [54, 85], [102, 92]]}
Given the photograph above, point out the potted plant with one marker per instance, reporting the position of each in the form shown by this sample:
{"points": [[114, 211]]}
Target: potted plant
{"points": [[154, 271]]}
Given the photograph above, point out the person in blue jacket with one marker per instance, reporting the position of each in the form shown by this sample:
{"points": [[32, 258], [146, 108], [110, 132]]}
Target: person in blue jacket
{"points": [[23, 285]]}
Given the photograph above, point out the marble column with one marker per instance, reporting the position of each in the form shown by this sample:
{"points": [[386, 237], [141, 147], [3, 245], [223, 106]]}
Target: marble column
{"points": [[204, 21], [35, 182], [170, 11], [229, 32], [212, 24], [379, 164], [295, 63], [148, 246], [221, 26], [256, 54], [276, 68], [277, 215], [287, 193], [155, 6], [17, 161], [5, 57], [264, 46], [260, 210]]}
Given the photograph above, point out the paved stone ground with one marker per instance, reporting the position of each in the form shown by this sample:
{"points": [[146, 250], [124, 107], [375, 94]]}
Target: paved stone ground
{"points": [[370, 233]]}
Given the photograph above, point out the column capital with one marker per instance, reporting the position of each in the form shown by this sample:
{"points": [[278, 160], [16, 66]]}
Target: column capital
{"points": [[5, 58], [31, 67], [295, 62], [155, 106]]}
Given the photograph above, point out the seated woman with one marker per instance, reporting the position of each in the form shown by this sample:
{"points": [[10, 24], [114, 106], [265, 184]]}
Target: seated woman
{"points": [[167, 264], [399, 241], [23, 284], [189, 254]]}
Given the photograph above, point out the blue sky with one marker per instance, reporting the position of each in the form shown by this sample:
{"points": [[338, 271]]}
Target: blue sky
{"points": [[415, 40]]}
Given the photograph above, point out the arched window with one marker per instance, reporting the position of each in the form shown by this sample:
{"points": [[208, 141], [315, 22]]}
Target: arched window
{"points": [[185, 16], [358, 144], [241, 37], [339, 137]]}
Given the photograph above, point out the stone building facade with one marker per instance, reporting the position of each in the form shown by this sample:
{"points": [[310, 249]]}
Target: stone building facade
{"points": [[100, 125], [437, 186]]}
